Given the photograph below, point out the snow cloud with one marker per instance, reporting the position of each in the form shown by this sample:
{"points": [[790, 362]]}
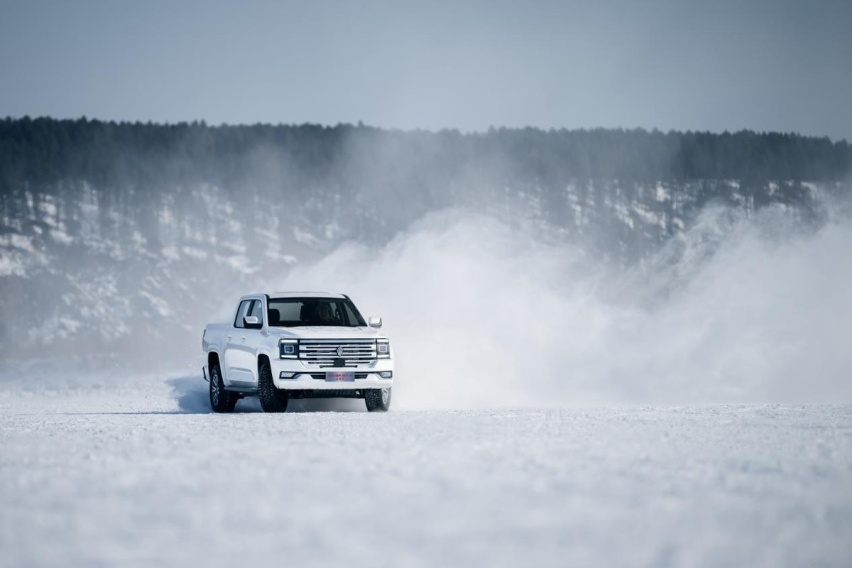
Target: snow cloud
{"points": [[484, 315]]}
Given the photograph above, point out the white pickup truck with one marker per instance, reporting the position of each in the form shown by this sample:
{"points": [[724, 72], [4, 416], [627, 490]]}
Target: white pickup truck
{"points": [[289, 345]]}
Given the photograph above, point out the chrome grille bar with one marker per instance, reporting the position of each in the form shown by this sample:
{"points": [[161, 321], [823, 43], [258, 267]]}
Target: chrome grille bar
{"points": [[324, 352]]}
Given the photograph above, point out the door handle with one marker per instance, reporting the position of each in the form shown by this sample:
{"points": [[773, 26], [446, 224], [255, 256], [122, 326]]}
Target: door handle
{"points": [[229, 338], [242, 340]]}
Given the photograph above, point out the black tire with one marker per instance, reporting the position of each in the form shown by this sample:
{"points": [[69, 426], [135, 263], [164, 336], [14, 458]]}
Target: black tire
{"points": [[378, 400], [220, 399], [271, 398]]}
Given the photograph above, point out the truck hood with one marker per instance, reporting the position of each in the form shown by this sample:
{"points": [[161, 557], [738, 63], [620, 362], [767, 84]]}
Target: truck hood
{"points": [[326, 332]]}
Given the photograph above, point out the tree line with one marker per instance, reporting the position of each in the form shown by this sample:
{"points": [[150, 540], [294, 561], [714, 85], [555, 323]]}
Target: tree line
{"points": [[376, 181], [44, 150]]}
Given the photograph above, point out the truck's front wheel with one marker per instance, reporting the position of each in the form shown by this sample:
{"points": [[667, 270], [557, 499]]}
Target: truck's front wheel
{"points": [[220, 399], [271, 398], [378, 399]]}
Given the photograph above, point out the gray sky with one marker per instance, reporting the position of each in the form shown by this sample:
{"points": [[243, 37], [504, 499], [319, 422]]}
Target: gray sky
{"points": [[671, 64]]}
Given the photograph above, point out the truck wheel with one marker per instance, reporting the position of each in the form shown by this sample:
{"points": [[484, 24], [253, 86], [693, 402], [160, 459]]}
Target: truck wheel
{"points": [[378, 400], [220, 399], [271, 398]]}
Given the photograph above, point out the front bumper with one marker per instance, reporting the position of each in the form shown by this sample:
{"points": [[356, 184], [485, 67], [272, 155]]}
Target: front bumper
{"points": [[310, 377]]}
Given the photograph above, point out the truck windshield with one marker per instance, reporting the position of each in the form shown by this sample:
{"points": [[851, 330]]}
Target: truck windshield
{"points": [[293, 312]]}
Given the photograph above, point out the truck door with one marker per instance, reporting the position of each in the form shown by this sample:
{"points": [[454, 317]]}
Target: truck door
{"points": [[237, 370], [253, 338]]}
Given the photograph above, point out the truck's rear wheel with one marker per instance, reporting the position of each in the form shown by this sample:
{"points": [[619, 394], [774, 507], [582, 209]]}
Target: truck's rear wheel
{"points": [[378, 400], [220, 399], [271, 398]]}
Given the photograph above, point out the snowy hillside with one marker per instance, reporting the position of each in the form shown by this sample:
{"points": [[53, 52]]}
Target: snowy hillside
{"points": [[86, 272], [126, 238]]}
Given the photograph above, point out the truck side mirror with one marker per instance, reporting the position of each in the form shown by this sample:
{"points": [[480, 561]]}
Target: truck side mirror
{"points": [[252, 322], [375, 321]]}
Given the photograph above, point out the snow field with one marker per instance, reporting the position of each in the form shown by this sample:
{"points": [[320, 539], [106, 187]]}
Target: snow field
{"points": [[139, 474]]}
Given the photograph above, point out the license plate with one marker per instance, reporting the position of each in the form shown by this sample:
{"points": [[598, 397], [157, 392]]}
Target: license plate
{"points": [[339, 376]]}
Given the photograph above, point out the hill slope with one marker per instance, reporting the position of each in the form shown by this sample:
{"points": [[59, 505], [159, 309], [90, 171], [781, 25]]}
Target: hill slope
{"points": [[114, 232]]}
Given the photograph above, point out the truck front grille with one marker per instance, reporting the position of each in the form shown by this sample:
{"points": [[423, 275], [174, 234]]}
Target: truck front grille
{"points": [[337, 352]]}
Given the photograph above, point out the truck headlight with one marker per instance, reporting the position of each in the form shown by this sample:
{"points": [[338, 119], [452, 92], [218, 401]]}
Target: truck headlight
{"points": [[382, 349], [288, 348]]}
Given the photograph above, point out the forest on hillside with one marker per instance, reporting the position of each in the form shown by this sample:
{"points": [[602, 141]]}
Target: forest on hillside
{"points": [[43, 151], [390, 176], [103, 223]]}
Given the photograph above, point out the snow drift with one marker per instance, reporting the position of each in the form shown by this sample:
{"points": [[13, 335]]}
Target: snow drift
{"points": [[482, 314]]}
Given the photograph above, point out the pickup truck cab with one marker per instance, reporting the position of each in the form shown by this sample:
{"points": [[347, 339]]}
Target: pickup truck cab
{"points": [[288, 345]]}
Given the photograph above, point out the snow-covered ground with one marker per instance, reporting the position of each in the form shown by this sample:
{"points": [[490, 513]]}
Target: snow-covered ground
{"points": [[136, 472]]}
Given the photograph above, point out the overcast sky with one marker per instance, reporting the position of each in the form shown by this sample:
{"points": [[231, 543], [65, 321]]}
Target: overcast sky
{"points": [[714, 65]]}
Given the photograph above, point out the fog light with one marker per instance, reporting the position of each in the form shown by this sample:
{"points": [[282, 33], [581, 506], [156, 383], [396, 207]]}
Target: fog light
{"points": [[386, 374], [286, 375]]}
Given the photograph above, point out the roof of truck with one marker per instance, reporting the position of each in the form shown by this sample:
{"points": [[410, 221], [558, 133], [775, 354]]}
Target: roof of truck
{"points": [[298, 295]]}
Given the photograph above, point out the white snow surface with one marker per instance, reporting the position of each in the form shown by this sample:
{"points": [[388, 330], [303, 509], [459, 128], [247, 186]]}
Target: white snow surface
{"points": [[118, 470]]}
